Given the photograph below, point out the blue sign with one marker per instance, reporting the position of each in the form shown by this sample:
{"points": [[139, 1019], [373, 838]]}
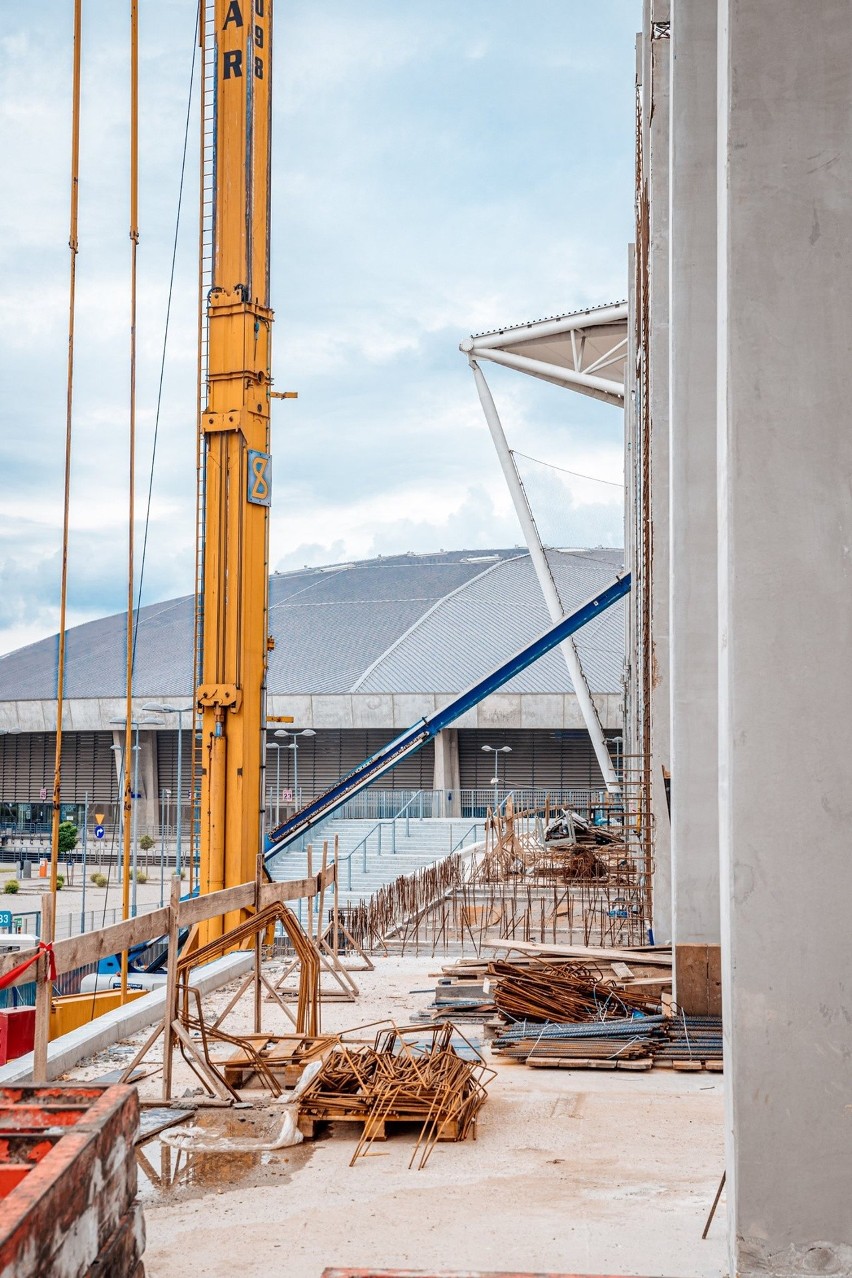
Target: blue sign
{"points": [[259, 478], [99, 831], [6, 920]]}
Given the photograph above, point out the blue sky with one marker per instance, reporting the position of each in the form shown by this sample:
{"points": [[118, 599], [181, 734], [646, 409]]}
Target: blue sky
{"points": [[439, 169]]}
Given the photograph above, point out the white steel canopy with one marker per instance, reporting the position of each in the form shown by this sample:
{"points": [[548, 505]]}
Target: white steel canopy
{"points": [[584, 350]]}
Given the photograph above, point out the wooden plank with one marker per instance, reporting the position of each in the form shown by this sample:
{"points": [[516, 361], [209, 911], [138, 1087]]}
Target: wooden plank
{"points": [[44, 993], [212, 904], [90, 947], [546, 950], [698, 979], [170, 1010]]}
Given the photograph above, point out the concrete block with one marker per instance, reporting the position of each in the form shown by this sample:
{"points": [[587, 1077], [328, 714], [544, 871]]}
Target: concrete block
{"points": [[541, 710], [300, 707], [372, 710], [409, 707], [502, 710]]}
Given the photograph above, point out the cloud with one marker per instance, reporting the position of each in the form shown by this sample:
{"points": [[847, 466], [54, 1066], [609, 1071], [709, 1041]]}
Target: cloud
{"points": [[428, 182]]}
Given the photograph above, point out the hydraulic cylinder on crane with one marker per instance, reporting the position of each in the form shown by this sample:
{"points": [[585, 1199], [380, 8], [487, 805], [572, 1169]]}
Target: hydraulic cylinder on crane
{"points": [[236, 455]]}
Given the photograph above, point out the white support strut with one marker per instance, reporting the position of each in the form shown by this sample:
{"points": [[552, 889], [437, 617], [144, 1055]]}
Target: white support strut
{"points": [[545, 578], [566, 376]]}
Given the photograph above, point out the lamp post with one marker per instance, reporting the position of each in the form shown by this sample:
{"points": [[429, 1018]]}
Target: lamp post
{"points": [[85, 866], [294, 746], [495, 780], [273, 745], [164, 795], [134, 795], [180, 711]]}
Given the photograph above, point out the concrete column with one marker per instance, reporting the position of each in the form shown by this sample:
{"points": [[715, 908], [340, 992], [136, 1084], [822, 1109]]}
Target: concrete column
{"points": [[785, 625], [149, 804], [656, 111], [148, 815], [447, 776], [692, 459]]}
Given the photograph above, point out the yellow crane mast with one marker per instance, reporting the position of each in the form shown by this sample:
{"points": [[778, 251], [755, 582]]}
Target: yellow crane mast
{"points": [[234, 426]]}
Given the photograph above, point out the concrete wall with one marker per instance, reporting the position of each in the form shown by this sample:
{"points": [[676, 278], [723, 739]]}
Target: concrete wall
{"points": [[656, 115], [345, 710], [785, 629], [692, 459]]}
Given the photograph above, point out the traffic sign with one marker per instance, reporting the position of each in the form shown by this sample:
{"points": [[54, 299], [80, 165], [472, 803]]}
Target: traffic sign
{"points": [[99, 818], [99, 832]]}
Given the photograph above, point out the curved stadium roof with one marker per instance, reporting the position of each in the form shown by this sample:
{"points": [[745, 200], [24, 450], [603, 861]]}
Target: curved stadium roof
{"points": [[398, 624]]}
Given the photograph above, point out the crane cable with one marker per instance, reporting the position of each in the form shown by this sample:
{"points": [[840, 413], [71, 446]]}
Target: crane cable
{"points": [[165, 338], [131, 511], [157, 416], [63, 590]]}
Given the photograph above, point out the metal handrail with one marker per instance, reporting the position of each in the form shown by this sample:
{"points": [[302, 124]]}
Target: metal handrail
{"points": [[347, 858], [458, 846]]}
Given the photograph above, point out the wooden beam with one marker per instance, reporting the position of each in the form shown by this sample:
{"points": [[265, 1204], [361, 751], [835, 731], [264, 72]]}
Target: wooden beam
{"points": [[91, 947], [212, 904]]}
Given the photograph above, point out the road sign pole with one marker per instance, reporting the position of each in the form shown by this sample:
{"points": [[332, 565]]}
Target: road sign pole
{"points": [[85, 846]]}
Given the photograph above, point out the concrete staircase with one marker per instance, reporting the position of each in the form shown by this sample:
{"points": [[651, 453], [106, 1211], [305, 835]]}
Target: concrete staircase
{"points": [[366, 848]]}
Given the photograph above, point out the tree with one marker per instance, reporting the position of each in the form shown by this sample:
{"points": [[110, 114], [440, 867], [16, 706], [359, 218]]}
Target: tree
{"points": [[68, 837]]}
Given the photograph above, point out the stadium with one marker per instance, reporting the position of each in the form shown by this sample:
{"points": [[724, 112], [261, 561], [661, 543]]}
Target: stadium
{"points": [[361, 651]]}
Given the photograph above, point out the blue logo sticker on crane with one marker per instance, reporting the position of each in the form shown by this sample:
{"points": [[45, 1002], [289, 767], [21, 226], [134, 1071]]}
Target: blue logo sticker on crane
{"points": [[259, 478], [99, 831]]}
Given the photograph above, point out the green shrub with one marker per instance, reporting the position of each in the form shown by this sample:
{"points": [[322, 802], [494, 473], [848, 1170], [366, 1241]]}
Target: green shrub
{"points": [[60, 882], [146, 843], [68, 837], [12, 887], [141, 876], [99, 880]]}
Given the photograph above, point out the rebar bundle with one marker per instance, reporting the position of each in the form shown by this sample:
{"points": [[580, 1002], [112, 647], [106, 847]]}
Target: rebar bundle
{"points": [[407, 1076], [558, 992], [655, 1039]]}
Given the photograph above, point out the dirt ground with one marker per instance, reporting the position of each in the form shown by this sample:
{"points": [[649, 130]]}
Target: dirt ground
{"points": [[572, 1171]]}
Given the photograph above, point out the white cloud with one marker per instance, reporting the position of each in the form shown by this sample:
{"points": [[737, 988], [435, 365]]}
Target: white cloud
{"points": [[437, 170]]}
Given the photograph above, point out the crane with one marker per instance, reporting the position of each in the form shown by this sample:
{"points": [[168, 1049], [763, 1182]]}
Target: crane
{"points": [[234, 432]]}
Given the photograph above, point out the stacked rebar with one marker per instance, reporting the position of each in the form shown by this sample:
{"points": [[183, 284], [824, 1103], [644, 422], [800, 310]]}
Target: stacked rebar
{"points": [[401, 1078], [558, 992], [654, 1039]]}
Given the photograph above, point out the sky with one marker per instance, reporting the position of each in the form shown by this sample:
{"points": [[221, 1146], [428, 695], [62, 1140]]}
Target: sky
{"points": [[438, 169]]}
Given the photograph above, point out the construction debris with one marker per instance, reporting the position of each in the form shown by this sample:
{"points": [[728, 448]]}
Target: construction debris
{"points": [[408, 1075]]}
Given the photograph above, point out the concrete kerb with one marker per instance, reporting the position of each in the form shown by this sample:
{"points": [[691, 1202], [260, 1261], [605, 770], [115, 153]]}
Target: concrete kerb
{"points": [[66, 1052]]}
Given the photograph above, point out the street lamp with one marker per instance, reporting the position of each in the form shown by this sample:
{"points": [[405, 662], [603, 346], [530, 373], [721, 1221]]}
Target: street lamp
{"points": [[180, 711], [134, 793], [495, 780], [273, 745], [294, 746], [164, 796]]}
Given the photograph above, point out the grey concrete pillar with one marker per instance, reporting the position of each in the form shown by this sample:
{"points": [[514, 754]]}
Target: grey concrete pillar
{"points": [[692, 459], [446, 776], [785, 626], [149, 809], [148, 815], [656, 113]]}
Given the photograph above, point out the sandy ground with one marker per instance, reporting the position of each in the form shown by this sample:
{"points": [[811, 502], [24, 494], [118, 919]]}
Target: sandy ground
{"points": [[572, 1172]]}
